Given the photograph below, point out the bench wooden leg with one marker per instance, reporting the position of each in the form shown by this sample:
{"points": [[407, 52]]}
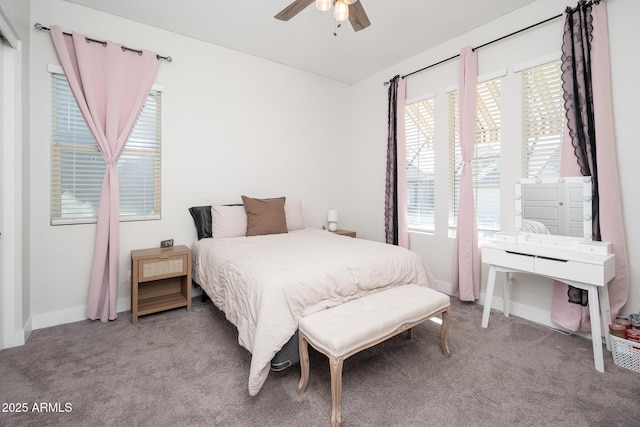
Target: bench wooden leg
{"points": [[444, 333], [410, 333], [336, 389], [303, 348]]}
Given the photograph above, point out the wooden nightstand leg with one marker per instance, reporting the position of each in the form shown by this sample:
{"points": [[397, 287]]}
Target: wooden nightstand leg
{"points": [[186, 291], [187, 282], [134, 293]]}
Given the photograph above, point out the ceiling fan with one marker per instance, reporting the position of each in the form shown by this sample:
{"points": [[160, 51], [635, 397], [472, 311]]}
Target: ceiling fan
{"points": [[356, 14]]}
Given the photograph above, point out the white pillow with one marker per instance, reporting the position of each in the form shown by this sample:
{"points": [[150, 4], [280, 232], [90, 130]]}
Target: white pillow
{"points": [[231, 221], [529, 226], [228, 221], [294, 215]]}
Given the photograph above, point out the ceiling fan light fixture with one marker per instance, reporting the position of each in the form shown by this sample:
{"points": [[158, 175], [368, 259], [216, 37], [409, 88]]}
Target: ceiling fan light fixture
{"points": [[341, 10], [323, 5]]}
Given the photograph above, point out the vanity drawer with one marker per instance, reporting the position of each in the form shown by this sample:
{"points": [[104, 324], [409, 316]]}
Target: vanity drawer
{"points": [[570, 270], [504, 258]]}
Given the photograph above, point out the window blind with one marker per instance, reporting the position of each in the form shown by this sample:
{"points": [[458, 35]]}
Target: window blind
{"points": [[77, 167], [486, 163], [542, 119], [419, 133]]}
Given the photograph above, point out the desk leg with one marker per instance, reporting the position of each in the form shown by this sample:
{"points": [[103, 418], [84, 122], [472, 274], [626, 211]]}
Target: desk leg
{"points": [[605, 310], [488, 296], [596, 335], [508, 281]]}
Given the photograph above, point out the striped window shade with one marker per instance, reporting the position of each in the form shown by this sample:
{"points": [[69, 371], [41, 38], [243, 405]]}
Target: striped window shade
{"points": [[486, 162], [77, 166], [419, 132], [542, 120]]}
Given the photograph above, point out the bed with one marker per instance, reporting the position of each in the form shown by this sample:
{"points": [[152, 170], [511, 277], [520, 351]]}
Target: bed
{"points": [[266, 283]]}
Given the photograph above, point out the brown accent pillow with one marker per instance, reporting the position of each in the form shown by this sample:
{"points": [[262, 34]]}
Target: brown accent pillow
{"points": [[265, 216]]}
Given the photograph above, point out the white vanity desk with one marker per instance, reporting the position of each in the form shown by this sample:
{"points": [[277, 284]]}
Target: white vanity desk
{"points": [[584, 265]]}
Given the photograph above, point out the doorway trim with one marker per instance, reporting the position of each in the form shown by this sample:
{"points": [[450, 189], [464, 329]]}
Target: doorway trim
{"points": [[12, 325]]}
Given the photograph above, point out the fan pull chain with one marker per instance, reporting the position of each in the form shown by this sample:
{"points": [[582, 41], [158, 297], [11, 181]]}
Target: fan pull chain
{"points": [[335, 30]]}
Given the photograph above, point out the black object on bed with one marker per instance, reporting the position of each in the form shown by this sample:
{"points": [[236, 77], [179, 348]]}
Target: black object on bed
{"points": [[202, 219], [288, 355]]}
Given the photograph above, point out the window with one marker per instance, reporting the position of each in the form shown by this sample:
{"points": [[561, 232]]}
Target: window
{"points": [[486, 163], [542, 120], [419, 125], [77, 166]]}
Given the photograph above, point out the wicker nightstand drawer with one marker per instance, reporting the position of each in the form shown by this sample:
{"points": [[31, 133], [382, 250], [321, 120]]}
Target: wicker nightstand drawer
{"points": [[154, 269]]}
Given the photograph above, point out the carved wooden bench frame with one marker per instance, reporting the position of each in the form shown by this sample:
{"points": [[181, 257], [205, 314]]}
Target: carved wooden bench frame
{"points": [[336, 360]]}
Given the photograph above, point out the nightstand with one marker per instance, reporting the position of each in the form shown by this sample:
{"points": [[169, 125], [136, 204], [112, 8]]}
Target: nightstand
{"points": [[160, 280], [345, 233]]}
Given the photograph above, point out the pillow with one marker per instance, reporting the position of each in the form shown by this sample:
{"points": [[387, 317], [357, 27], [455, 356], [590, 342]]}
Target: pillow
{"points": [[294, 216], [202, 219], [228, 221], [265, 216], [529, 226]]}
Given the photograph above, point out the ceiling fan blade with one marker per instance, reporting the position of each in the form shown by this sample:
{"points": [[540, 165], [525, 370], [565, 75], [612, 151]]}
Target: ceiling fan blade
{"points": [[358, 17], [293, 9]]}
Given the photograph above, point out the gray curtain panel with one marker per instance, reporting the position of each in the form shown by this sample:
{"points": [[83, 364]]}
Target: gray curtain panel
{"points": [[578, 96], [578, 101], [391, 187]]}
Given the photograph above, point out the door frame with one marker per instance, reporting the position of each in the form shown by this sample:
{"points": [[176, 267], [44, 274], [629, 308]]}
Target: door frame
{"points": [[12, 329]]}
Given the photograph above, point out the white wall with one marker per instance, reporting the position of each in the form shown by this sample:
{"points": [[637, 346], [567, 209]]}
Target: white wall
{"points": [[531, 296], [233, 124]]}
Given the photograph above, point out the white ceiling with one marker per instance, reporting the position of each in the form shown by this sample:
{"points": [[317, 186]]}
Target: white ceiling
{"points": [[399, 29]]}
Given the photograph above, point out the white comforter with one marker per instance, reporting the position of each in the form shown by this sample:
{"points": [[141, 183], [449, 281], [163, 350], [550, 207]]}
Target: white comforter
{"points": [[265, 284]]}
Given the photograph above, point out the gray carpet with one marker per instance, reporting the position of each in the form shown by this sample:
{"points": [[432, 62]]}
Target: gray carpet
{"points": [[179, 368]]}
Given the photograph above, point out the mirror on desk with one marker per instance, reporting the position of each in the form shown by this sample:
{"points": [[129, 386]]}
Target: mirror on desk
{"points": [[554, 206]]}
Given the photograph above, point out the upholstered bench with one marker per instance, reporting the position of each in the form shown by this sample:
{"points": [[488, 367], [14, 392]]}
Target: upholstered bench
{"points": [[344, 330]]}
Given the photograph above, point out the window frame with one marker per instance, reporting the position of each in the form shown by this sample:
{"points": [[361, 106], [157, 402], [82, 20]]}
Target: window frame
{"points": [[148, 151]]}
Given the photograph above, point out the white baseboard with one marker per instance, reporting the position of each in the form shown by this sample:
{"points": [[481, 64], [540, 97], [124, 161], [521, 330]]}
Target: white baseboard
{"points": [[517, 309], [77, 314], [536, 315], [524, 311], [46, 320], [445, 287], [70, 315], [17, 338], [26, 333]]}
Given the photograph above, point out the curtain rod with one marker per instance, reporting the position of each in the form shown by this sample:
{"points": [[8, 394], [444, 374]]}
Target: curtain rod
{"points": [[41, 27], [481, 46]]}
